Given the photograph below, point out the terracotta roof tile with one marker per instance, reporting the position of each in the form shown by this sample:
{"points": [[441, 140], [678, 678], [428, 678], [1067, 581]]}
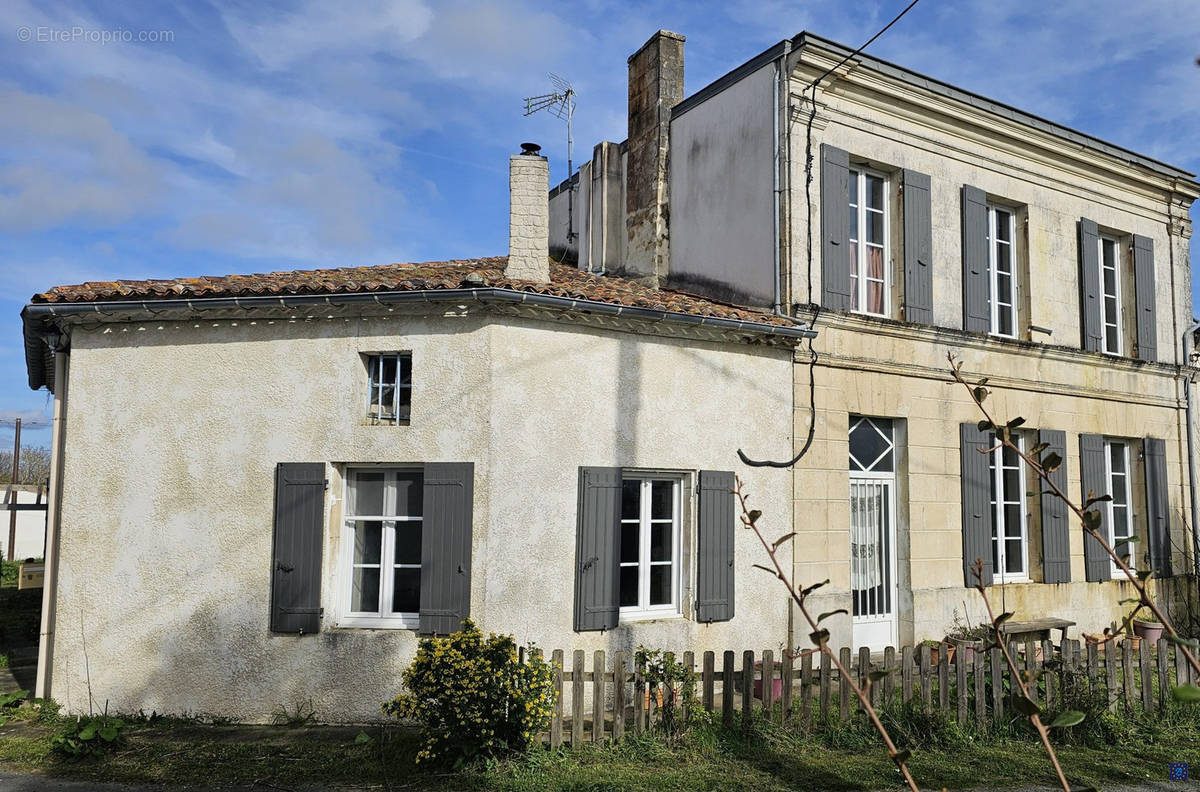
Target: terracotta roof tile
{"points": [[565, 281]]}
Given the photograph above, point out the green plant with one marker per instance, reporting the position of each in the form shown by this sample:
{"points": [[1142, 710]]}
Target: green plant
{"points": [[9, 701], [473, 697], [301, 714], [4, 661], [660, 670], [89, 735], [961, 628]]}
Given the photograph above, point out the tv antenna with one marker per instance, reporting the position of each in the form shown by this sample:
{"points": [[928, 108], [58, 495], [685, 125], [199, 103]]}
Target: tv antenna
{"points": [[561, 104]]}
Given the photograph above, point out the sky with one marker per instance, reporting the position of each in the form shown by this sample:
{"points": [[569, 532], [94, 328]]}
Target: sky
{"points": [[141, 139]]}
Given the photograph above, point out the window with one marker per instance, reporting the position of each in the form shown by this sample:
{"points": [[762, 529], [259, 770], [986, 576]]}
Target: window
{"points": [[1110, 295], [1002, 294], [870, 276], [1010, 530], [872, 530], [389, 387], [1116, 470], [382, 551], [650, 546]]}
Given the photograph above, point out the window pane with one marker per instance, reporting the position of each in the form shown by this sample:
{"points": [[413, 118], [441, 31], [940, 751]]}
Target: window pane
{"points": [[364, 595], [406, 596], [866, 444], [874, 297], [875, 263], [995, 553], [660, 541], [406, 369], [874, 192], [660, 584], [1012, 521], [1005, 320], [1002, 228], [853, 223], [875, 227], [408, 543], [368, 488], [367, 536], [629, 543], [1109, 253], [853, 187], [409, 489], [629, 586], [1121, 523], [1012, 485], [1110, 339], [662, 500], [1110, 280], [1004, 258], [389, 370], [1013, 563], [1010, 457], [631, 499], [1116, 455]]}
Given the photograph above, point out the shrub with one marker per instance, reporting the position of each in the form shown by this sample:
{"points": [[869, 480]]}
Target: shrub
{"points": [[472, 697], [89, 735]]}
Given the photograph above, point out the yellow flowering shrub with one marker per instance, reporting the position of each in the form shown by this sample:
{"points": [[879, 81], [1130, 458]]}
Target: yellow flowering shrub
{"points": [[472, 697]]}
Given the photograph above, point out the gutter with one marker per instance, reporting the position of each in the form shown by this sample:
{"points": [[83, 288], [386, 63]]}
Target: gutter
{"points": [[1188, 379], [37, 315]]}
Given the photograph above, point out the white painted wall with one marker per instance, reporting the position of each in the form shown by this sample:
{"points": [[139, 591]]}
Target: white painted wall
{"points": [[166, 548], [31, 528], [722, 207]]}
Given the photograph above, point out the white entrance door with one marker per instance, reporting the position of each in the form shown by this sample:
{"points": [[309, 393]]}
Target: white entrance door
{"points": [[873, 532]]}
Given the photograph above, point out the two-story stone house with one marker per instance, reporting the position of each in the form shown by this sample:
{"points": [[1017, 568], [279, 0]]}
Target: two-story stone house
{"points": [[905, 219]]}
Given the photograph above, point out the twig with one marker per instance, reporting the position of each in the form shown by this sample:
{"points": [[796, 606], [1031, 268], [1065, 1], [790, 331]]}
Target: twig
{"points": [[1034, 717], [978, 393], [819, 635]]}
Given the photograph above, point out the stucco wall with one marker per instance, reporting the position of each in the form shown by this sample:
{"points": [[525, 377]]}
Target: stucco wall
{"points": [[175, 429], [722, 215], [31, 528]]}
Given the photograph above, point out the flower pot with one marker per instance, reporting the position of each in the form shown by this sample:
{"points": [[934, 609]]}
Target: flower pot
{"points": [[1149, 630], [1134, 641], [776, 683]]}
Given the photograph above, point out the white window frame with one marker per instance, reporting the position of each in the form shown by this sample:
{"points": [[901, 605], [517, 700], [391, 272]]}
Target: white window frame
{"points": [[993, 244], [999, 538], [384, 618], [860, 174], [1110, 481], [376, 385], [643, 610], [1105, 320]]}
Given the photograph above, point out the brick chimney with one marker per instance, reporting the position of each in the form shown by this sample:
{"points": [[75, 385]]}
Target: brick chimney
{"points": [[655, 86], [528, 215]]}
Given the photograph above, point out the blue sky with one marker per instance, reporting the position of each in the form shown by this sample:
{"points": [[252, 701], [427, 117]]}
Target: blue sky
{"points": [[254, 136]]}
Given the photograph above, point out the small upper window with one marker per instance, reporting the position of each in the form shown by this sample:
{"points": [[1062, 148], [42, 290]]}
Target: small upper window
{"points": [[1110, 295], [1001, 271], [389, 387], [870, 276]]}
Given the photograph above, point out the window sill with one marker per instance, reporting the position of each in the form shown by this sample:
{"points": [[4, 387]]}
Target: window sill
{"points": [[644, 617], [1004, 581], [378, 622]]}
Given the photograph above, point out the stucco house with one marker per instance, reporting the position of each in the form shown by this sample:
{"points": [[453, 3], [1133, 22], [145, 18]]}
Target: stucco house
{"points": [[904, 218], [304, 471]]}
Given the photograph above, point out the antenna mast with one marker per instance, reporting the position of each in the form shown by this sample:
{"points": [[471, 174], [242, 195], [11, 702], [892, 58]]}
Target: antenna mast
{"points": [[561, 104]]}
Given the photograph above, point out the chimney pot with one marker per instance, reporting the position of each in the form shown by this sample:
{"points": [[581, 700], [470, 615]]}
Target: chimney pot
{"points": [[530, 149]]}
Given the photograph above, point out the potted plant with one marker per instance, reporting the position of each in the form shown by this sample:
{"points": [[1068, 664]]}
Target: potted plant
{"points": [[964, 635], [1150, 630], [1134, 641]]}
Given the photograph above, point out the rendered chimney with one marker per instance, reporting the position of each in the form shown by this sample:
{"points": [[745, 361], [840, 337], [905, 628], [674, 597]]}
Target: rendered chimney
{"points": [[528, 216], [655, 86]]}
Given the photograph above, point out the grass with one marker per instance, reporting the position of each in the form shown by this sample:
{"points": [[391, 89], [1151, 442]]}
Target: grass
{"points": [[168, 751]]}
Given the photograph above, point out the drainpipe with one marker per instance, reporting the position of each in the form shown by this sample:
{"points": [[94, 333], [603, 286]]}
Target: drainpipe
{"points": [[1188, 378], [53, 519], [780, 157]]}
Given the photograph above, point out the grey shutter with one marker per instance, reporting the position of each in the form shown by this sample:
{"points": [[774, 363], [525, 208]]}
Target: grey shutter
{"points": [[1097, 563], [1143, 286], [1056, 518], [597, 549], [976, 502], [977, 317], [715, 569], [918, 249], [446, 506], [1089, 284], [1157, 507], [296, 562], [835, 228]]}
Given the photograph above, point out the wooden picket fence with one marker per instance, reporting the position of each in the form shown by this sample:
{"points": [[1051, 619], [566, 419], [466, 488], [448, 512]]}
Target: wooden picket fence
{"points": [[974, 687]]}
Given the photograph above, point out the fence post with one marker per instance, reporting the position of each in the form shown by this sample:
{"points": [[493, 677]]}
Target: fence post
{"points": [[980, 690], [747, 688], [906, 674], [1164, 678], [727, 689], [864, 674], [598, 696], [826, 683], [577, 699], [944, 677], [926, 686], [768, 683], [889, 681], [844, 685], [618, 726], [556, 720], [806, 665], [996, 660], [788, 673], [960, 681], [1182, 669], [639, 698], [1127, 674], [1147, 675], [689, 662], [1048, 672], [707, 681], [1093, 665], [1110, 675]]}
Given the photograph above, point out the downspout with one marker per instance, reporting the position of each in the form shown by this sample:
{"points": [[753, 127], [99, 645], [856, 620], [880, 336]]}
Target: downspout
{"points": [[53, 523], [1188, 379]]}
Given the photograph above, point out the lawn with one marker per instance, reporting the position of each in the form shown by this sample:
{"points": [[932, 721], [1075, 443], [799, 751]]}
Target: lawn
{"points": [[176, 752]]}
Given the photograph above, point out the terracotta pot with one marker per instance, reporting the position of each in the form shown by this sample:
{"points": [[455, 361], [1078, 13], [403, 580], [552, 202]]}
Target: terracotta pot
{"points": [[1149, 630], [936, 651], [1134, 641]]}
